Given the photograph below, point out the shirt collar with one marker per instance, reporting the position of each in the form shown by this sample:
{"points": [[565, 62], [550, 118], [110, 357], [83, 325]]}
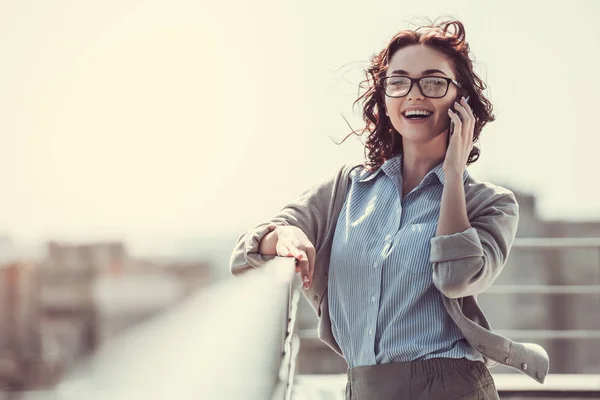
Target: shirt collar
{"points": [[390, 167], [393, 166]]}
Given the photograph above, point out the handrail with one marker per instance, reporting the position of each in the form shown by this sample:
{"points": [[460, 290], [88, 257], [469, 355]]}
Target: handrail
{"points": [[228, 341], [291, 345], [556, 242], [512, 384], [543, 289]]}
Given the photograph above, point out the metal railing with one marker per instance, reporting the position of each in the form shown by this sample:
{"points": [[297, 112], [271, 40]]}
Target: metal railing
{"points": [[550, 244], [233, 340], [513, 384]]}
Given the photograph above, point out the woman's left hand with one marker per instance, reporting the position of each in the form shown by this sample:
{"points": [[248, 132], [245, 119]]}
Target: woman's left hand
{"points": [[461, 141]]}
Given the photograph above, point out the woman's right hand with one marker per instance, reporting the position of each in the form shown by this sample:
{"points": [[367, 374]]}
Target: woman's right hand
{"points": [[292, 242]]}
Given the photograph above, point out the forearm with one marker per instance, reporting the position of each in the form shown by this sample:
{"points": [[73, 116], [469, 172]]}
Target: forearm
{"points": [[453, 216]]}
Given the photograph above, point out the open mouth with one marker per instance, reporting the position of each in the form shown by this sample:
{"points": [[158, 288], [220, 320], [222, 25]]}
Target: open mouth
{"points": [[417, 115]]}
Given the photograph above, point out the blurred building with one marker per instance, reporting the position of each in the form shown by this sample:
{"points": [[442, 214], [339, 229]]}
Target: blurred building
{"points": [[127, 296], [92, 292], [56, 310], [70, 321], [519, 311], [557, 312], [21, 358]]}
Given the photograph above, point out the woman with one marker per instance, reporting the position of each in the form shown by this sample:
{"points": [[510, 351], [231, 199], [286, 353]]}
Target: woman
{"points": [[393, 252]]}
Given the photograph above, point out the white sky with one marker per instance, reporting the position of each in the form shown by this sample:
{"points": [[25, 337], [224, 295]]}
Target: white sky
{"points": [[136, 119]]}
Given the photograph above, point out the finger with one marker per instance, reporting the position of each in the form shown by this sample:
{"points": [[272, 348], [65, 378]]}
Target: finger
{"points": [[468, 118], [467, 107], [464, 116], [299, 255], [287, 250], [284, 250], [457, 122], [461, 111], [304, 266], [297, 266]]}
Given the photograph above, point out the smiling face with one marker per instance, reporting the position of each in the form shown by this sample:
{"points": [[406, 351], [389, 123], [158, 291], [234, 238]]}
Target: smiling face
{"points": [[417, 61]]}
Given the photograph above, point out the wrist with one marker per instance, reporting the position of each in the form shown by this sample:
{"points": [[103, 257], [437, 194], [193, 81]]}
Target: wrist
{"points": [[268, 244], [453, 176]]}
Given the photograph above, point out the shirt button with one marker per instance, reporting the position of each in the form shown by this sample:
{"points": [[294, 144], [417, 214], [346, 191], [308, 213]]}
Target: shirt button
{"points": [[375, 266], [370, 332], [481, 348], [316, 297], [539, 375], [372, 299], [524, 366]]}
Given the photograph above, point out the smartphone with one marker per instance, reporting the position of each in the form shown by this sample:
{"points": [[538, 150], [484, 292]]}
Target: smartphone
{"points": [[451, 129]]}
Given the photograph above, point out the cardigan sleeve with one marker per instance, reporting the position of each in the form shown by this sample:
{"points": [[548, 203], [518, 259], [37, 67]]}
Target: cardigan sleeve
{"points": [[310, 212], [467, 263]]}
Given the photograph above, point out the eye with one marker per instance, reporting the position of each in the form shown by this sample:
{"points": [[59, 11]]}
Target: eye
{"points": [[398, 82], [433, 81]]}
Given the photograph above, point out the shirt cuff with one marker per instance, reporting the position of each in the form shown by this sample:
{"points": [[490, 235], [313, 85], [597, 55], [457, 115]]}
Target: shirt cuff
{"points": [[455, 246]]}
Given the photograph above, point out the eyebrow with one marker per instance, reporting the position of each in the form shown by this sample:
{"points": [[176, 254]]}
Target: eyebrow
{"points": [[426, 72]]}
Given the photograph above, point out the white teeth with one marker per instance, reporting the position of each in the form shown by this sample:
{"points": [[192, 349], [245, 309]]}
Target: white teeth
{"points": [[416, 112]]}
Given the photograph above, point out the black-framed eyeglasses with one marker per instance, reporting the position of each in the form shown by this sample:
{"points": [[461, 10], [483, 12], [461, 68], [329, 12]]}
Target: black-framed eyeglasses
{"points": [[430, 86]]}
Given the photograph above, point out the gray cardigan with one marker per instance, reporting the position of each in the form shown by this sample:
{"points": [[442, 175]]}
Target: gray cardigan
{"points": [[463, 264]]}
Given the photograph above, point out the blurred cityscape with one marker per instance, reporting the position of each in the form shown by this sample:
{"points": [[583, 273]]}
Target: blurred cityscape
{"points": [[78, 296], [59, 309]]}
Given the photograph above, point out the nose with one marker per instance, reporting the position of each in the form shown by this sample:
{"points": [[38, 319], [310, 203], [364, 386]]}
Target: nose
{"points": [[415, 93]]}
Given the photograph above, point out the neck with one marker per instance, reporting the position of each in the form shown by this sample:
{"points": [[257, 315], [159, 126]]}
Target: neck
{"points": [[420, 158]]}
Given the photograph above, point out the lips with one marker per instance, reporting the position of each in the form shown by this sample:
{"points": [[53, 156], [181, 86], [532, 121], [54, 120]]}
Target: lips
{"points": [[416, 120]]}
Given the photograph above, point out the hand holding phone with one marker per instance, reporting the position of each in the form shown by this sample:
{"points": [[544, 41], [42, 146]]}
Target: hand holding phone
{"points": [[459, 147], [451, 129]]}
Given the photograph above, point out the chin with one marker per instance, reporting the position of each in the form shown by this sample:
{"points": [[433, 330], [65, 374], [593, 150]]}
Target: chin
{"points": [[419, 135]]}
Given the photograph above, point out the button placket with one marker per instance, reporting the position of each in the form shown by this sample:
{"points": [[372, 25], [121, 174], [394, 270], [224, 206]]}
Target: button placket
{"points": [[375, 281]]}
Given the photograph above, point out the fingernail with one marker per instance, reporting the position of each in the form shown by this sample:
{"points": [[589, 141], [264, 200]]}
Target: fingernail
{"points": [[456, 103]]}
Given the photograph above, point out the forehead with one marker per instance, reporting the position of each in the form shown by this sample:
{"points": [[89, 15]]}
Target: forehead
{"points": [[417, 58]]}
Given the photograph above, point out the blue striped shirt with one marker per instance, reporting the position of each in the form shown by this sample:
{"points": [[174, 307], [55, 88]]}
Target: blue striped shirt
{"points": [[382, 301]]}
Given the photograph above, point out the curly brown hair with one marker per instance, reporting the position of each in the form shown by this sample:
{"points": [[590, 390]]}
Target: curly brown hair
{"points": [[448, 37]]}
